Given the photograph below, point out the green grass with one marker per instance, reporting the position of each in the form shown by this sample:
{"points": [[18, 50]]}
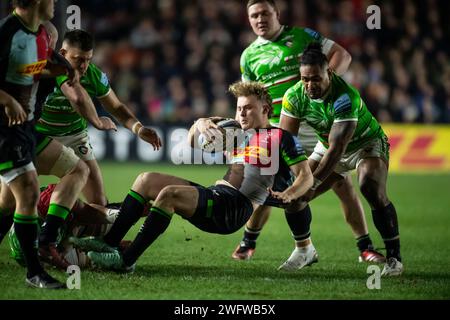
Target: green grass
{"points": [[185, 263]]}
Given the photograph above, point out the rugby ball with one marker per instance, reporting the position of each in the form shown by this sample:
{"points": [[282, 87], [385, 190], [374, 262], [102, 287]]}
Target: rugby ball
{"points": [[221, 142]]}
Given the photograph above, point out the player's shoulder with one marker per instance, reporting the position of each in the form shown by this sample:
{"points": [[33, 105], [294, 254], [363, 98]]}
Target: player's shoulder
{"points": [[295, 90], [343, 88], [96, 74]]}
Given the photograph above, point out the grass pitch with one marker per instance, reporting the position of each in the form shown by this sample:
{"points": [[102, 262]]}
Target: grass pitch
{"points": [[186, 263]]}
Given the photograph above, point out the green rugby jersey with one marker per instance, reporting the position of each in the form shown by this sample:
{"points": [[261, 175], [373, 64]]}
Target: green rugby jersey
{"points": [[342, 103], [276, 63], [59, 118]]}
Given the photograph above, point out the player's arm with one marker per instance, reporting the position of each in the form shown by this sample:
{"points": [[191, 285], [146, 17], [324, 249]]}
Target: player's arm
{"points": [[289, 124], [340, 135], [82, 102], [302, 183], [339, 59], [123, 114], [13, 109]]}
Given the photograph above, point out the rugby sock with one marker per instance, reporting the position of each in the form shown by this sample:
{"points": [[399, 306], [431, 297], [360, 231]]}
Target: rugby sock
{"points": [[6, 221], [385, 221], [26, 229], [364, 243], [56, 216], [300, 223], [250, 236], [129, 214], [155, 224]]}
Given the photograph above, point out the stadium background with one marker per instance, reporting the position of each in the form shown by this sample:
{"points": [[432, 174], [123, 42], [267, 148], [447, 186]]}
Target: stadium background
{"points": [[171, 62]]}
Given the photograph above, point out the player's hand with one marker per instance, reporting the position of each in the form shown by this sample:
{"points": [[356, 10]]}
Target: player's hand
{"points": [[15, 113], [105, 123], [285, 197], [150, 136]]}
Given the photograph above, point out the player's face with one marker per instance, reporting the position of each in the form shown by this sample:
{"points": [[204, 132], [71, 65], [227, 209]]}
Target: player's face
{"points": [[264, 19], [78, 58], [251, 113], [46, 9], [315, 79]]}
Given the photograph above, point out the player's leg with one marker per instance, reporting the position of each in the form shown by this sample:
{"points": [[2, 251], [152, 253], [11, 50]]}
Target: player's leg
{"points": [[298, 216], [351, 207], [25, 188], [253, 227], [146, 187], [60, 161], [180, 199], [372, 176], [7, 207], [94, 190]]}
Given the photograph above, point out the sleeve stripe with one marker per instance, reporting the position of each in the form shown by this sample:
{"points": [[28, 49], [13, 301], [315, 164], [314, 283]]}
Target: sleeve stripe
{"points": [[296, 160], [345, 120], [327, 44], [109, 91], [288, 114]]}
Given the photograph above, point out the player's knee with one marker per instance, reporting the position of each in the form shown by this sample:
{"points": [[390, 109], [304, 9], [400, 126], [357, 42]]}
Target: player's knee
{"points": [[168, 195], [81, 171]]}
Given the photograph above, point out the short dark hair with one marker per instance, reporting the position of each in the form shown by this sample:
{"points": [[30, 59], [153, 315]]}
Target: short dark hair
{"points": [[79, 38], [313, 55], [22, 3], [271, 2], [252, 88]]}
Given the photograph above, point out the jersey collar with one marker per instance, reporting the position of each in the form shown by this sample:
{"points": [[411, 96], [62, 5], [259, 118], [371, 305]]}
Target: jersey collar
{"points": [[260, 40]]}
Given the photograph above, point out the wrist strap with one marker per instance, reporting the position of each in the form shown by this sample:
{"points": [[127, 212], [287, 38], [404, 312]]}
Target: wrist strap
{"points": [[136, 127]]}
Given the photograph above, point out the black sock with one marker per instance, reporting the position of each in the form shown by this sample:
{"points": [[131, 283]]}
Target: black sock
{"points": [[129, 214], [385, 221], [155, 224], [300, 223], [364, 243], [56, 216], [26, 230], [250, 237], [6, 222]]}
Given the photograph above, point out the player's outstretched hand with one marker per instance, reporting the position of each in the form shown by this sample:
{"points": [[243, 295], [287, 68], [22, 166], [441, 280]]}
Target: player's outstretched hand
{"points": [[283, 196], [150, 136], [106, 124], [15, 113]]}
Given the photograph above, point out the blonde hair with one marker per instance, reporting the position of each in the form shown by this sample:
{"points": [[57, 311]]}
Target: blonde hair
{"points": [[252, 88]]}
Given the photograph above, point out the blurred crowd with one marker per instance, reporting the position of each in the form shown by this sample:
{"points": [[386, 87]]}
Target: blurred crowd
{"points": [[172, 60]]}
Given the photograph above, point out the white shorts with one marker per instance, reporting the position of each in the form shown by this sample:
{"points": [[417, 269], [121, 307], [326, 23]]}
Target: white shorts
{"points": [[376, 148], [8, 176], [80, 143]]}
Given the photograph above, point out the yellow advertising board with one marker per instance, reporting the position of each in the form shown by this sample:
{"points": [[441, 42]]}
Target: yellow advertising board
{"points": [[419, 148]]}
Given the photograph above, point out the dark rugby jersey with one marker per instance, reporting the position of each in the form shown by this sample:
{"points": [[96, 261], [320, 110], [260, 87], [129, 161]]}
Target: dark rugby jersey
{"points": [[23, 56]]}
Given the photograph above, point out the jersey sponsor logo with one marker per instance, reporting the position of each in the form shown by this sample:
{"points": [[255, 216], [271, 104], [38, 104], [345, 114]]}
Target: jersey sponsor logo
{"points": [[83, 149], [343, 104], [104, 79], [32, 68]]}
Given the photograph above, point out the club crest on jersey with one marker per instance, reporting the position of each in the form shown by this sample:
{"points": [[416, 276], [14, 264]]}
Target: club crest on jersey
{"points": [[32, 68]]}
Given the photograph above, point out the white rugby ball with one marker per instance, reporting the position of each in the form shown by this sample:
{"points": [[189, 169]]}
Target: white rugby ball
{"points": [[221, 142]]}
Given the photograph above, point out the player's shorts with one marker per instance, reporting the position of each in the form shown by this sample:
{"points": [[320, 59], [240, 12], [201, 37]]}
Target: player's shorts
{"points": [[375, 148], [17, 148], [221, 209], [308, 138], [80, 143]]}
